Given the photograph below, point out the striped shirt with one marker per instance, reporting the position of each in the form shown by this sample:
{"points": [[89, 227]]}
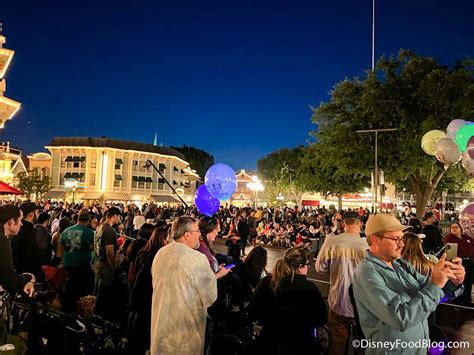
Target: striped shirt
{"points": [[339, 256]]}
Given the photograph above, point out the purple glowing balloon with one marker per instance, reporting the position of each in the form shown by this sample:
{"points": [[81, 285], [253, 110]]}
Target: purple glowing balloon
{"points": [[205, 202], [220, 181]]}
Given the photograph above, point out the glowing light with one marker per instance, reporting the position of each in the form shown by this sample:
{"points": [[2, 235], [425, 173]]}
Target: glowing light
{"points": [[103, 171]]}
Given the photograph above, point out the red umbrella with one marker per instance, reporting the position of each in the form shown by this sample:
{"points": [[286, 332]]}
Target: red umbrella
{"points": [[6, 189]]}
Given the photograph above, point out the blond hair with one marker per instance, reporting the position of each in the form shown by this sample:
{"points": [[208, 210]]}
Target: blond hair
{"points": [[413, 253]]}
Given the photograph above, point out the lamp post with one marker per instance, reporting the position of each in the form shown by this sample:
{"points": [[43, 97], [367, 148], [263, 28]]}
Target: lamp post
{"points": [[255, 186], [376, 169]]}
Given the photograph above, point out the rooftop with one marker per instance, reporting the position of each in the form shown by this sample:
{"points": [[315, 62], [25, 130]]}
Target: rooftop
{"points": [[114, 143]]}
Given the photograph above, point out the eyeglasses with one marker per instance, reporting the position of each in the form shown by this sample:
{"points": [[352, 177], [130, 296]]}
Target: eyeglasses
{"points": [[196, 230], [397, 240]]}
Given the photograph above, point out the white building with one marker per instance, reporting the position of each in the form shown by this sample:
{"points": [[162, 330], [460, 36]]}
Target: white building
{"points": [[114, 170]]}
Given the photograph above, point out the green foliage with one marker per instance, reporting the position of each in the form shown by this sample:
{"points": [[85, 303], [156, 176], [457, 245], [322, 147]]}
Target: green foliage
{"points": [[280, 170], [411, 93], [32, 183], [198, 159]]}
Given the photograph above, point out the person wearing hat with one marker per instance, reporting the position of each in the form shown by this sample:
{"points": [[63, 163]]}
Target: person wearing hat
{"points": [[393, 300], [339, 256], [105, 248], [27, 256]]}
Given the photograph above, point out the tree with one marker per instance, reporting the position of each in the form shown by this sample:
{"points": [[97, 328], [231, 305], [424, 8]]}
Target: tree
{"points": [[320, 174], [411, 93], [32, 183], [280, 170], [198, 159]]}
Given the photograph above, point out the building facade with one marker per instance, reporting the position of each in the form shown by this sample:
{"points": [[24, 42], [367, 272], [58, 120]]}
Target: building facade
{"points": [[105, 169]]}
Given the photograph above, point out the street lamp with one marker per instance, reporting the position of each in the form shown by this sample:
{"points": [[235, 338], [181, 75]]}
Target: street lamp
{"points": [[255, 186], [376, 168]]}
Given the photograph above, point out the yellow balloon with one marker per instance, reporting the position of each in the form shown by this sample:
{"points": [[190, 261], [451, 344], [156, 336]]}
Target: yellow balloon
{"points": [[429, 140]]}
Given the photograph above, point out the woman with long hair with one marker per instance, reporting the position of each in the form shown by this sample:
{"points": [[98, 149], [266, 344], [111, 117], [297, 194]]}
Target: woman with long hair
{"points": [[413, 253], [144, 235], [141, 292], [289, 307], [209, 229]]}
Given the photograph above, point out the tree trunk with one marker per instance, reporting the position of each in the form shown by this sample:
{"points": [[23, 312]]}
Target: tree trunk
{"points": [[424, 191], [339, 202]]}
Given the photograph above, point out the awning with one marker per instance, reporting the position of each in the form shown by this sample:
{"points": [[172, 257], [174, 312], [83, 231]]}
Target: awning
{"points": [[164, 198], [6, 189], [59, 195], [310, 203], [94, 195], [116, 196]]}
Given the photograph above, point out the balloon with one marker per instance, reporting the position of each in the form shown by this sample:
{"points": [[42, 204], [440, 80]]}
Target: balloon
{"points": [[447, 152], [466, 219], [429, 140], [220, 181], [470, 148], [453, 127], [204, 201], [464, 135], [468, 164]]}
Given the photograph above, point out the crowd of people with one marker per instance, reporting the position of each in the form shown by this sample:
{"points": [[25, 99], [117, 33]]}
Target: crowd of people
{"points": [[154, 271]]}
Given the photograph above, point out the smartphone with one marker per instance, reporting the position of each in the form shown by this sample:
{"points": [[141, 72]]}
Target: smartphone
{"points": [[232, 265], [451, 251]]}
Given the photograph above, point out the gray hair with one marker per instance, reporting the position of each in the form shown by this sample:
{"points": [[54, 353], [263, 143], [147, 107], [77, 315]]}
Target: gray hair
{"points": [[181, 225]]}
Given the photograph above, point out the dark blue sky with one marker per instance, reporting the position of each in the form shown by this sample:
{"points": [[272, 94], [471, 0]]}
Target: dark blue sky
{"points": [[235, 78]]}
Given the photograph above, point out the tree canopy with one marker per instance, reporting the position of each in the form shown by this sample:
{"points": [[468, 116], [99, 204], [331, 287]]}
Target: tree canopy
{"points": [[32, 183], [411, 93], [198, 159]]}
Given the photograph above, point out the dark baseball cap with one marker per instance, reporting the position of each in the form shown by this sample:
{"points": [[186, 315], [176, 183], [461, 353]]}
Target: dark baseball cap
{"points": [[28, 207]]}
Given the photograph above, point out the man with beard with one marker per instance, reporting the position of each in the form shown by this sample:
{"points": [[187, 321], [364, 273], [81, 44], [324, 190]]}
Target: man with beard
{"points": [[26, 254], [393, 300], [105, 248]]}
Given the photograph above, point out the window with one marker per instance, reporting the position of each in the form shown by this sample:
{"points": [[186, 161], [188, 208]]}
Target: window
{"points": [[76, 164], [141, 184], [147, 185], [117, 183], [92, 180], [117, 166], [161, 186], [135, 165], [118, 161], [148, 179], [161, 167], [118, 177], [134, 184]]}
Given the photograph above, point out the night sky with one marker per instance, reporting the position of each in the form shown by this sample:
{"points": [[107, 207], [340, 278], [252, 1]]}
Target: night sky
{"points": [[235, 78]]}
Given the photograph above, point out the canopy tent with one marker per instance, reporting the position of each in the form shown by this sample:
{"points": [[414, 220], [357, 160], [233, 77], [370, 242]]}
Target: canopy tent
{"points": [[6, 189]]}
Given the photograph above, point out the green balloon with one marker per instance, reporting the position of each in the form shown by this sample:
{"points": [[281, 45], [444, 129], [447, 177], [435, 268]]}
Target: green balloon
{"points": [[463, 135]]}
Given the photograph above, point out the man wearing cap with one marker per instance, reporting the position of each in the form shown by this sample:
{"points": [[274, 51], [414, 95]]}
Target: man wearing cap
{"points": [[105, 248], [339, 256], [393, 300], [26, 255]]}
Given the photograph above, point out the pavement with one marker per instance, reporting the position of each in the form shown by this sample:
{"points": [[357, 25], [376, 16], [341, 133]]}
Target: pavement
{"points": [[456, 321]]}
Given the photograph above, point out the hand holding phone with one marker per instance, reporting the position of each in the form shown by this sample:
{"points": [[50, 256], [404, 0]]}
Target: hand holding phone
{"points": [[451, 251], [230, 266]]}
